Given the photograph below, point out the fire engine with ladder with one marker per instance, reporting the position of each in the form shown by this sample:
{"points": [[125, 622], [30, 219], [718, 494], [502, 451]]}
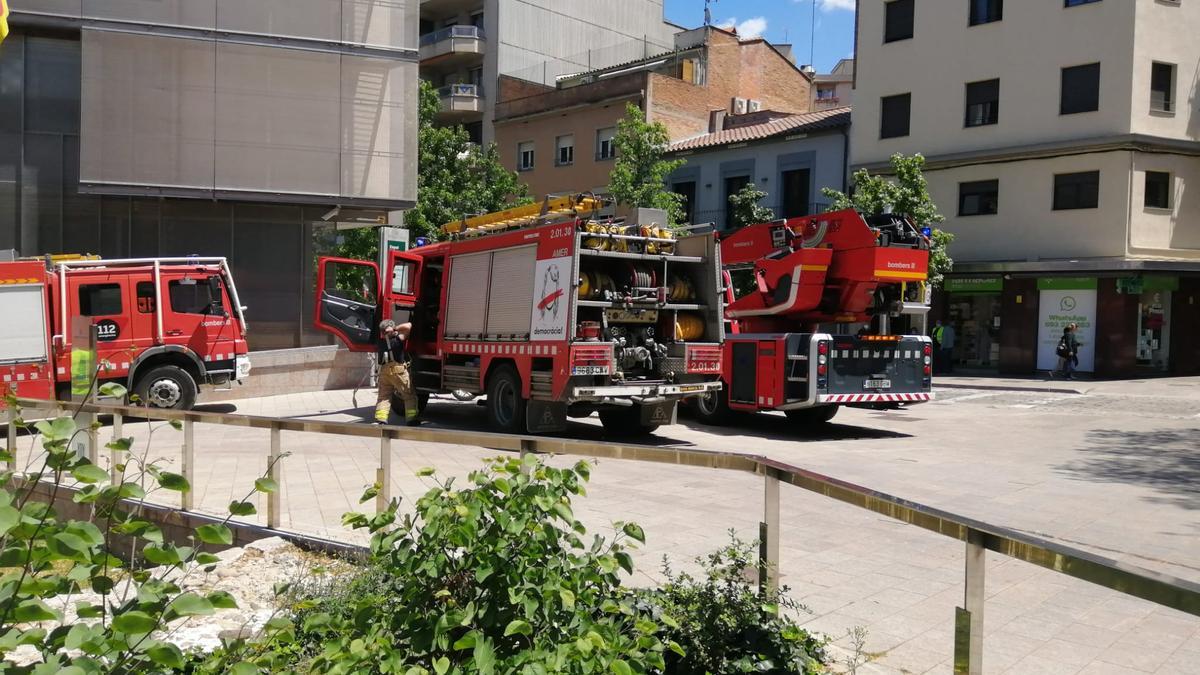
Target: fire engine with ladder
{"points": [[163, 327], [550, 311], [795, 279]]}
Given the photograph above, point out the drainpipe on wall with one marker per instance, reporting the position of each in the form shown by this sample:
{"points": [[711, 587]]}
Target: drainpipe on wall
{"points": [[845, 160], [1129, 205]]}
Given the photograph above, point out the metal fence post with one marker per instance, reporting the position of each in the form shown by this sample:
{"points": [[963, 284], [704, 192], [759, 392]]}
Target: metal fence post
{"points": [[116, 457], [273, 474], [12, 440], [384, 478], [968, 620], [769, 534], [186, 498]]}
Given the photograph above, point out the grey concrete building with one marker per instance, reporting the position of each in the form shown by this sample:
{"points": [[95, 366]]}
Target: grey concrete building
{"points": [[466, 45], [241, 128]]}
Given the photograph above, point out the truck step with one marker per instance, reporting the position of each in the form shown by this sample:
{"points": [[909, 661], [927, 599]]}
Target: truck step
{"points": [[797, 357]]}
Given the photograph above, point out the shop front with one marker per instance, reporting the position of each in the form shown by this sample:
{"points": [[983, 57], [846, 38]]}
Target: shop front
{"points": [[1131, 323], [972, 308]]}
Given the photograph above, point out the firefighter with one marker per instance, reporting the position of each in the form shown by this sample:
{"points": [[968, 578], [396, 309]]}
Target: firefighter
{"points": [[394, 375]]}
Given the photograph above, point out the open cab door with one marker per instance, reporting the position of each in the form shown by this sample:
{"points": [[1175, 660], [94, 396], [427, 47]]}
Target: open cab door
{"points": [[348, 294]]}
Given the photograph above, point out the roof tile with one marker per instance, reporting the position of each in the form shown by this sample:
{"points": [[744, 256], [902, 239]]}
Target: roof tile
{"points": [[813, 121]]}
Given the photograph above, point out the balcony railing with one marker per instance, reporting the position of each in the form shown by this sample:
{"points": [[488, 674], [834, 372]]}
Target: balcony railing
{"points": [[452, 32], [474, 90]]}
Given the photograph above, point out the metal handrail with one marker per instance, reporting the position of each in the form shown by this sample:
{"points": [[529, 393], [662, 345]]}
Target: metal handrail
{"points": [[462, 31], [460, 89], [1159, 588]]}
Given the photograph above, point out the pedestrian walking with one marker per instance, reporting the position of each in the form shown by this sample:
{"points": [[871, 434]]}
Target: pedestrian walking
{"points": [[394, 378], [944, 338], [1067, 351]]}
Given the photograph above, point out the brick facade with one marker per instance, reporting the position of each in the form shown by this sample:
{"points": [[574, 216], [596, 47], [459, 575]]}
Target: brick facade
{"points": [[750, 70]]}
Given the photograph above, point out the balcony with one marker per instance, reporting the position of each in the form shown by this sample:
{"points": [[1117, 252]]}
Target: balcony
{"points": [[461, 102], [453, 46]]}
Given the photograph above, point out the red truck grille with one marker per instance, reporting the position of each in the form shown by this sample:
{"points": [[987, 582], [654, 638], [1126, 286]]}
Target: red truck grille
{"points": [[704, 360]]}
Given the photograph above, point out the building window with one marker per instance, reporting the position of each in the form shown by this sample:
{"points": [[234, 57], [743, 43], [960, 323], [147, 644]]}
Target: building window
{"points": [[525, 156], [733, 185], [978, 198], [983, 103], [898, 20], [687, 190], [1158, 190], [894, 113], [605, 149], [100, 299], [1076, 190], [1080, 89], [827, 94], [564, 150], [1073, 3], [1162, 87], [986, 11]]}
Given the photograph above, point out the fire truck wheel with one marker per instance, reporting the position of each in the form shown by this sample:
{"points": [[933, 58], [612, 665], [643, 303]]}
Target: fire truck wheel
{"points": [[817, 415], [713, 408], [625, 422], [505, 406], [167, 387]]}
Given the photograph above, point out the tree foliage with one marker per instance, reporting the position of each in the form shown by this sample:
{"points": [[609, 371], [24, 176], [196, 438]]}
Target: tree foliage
{"points": [[747, 209], [640, 171], [905, 192], [455, 178]]}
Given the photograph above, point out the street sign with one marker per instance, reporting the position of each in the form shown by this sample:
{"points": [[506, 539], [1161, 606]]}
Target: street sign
{"points": [[394, 238]]}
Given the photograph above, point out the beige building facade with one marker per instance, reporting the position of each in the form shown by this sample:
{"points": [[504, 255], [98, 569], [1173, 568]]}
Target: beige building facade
{"points": [[1061, 141]]}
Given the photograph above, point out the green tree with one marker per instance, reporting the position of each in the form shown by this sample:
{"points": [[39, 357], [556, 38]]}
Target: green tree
{"points": [[639, 174], [455, 178], [746, 209], [907, 193]]}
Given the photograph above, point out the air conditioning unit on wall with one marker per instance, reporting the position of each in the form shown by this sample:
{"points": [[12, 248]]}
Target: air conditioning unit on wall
{"points": [[753, 106], [739, 106]]}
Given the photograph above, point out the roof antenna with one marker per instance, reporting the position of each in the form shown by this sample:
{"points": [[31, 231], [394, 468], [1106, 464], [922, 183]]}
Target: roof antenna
{"points": [[812, 37], [708, 12]]}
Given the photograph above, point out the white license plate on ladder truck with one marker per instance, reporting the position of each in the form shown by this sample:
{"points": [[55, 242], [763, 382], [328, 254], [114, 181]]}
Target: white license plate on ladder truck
{"points": [[877, 384]]}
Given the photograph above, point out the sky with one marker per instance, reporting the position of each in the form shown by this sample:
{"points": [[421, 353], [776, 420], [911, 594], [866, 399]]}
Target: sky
{"points": [[780, 21]]}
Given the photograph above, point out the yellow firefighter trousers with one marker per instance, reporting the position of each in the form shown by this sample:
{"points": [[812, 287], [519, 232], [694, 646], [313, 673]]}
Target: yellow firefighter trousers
{"points": [[394, 379]]}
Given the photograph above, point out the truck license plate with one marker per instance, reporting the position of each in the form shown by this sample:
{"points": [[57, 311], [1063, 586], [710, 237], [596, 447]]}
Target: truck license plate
{"points": [[589, 370], [877, 384]]}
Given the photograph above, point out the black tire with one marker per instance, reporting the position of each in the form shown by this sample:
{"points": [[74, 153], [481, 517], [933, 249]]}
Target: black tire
{"points": [[713, 407], [505, 405], [624, 422], [812, 416], [166, 387]]}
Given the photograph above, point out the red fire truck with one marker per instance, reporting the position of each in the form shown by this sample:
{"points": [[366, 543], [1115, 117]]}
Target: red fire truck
{"points": [[164, 326], [797, 281], [547, 310]]}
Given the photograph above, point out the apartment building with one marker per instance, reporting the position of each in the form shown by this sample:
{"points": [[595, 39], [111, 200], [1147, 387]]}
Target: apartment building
{"points": [[834, 89], [466, 45], [560, 138], [249, 129], [1063, 146]]}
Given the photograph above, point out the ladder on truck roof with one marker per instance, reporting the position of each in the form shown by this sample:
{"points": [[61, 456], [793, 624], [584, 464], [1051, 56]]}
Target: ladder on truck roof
{"points": [[155, 263], [549, 210]]}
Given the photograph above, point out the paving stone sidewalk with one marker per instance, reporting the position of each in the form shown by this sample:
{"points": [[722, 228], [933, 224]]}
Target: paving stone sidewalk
{"points": [[849, 567]]}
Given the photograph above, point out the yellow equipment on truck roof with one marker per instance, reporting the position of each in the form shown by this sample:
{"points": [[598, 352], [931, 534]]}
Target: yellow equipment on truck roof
{"points": [[550, 209]]}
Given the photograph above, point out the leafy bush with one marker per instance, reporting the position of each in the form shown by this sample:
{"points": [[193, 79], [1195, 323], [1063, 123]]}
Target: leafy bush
{"points": [[493, 578], [725, 625], [66, 598]]}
